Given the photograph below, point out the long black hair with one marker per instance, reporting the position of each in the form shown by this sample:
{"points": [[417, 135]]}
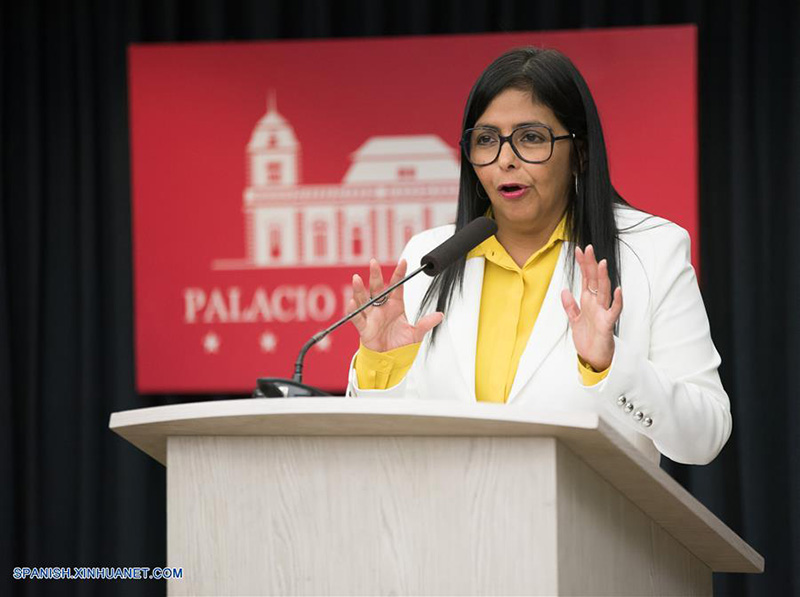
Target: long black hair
{"points": [[552, 80]]}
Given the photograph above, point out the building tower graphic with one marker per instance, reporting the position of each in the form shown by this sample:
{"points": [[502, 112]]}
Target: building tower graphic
{"points": [[395, 187]]}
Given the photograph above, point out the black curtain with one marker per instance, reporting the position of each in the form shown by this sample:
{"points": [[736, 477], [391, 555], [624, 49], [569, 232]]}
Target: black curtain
{"points": [[73, 494]]}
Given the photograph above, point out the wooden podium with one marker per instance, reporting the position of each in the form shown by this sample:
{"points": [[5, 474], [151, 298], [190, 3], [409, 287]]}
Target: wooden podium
{"points": [[336, 496]]}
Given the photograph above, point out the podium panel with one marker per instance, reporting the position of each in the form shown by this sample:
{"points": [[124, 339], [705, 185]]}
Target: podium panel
{"points": [[362, 515]]}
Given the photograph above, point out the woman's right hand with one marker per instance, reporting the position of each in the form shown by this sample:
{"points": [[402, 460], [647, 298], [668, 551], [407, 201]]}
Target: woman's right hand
{"points": [[385, 328]]}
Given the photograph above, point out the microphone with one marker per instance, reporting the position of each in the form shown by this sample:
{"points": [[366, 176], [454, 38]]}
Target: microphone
{"points": [[433, 263], [461, 243]]}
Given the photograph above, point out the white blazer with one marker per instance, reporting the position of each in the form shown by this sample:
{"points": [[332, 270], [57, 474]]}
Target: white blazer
{"points": [[664, 365]]}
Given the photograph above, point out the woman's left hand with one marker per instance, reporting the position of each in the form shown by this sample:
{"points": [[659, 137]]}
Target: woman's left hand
{"points": [[593, 322]]}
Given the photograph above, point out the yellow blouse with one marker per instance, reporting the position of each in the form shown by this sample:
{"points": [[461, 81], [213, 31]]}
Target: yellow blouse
{"points": [[510, 303]]}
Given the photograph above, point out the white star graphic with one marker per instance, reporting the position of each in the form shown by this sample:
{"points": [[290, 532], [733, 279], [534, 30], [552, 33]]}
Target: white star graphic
{"points": [[268, 342], [325, 344], [211, 343]]}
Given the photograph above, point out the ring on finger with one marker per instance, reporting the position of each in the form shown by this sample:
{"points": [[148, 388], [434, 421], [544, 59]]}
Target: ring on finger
{"points": [[592, 290], [380, 302]]}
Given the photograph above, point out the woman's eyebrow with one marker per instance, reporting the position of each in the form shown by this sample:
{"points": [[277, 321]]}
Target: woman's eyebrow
{"points": [[516, 126]]}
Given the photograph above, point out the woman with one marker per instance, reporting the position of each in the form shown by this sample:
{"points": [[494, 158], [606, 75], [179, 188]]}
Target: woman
{"points": [[516, 321]]}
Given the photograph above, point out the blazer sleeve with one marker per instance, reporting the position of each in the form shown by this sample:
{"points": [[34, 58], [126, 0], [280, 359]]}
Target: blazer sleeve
{"points": [[403, 389], [674, 394]]}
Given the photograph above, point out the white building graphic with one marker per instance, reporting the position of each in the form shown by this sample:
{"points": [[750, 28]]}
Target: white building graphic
{"points": [[395, 187]]}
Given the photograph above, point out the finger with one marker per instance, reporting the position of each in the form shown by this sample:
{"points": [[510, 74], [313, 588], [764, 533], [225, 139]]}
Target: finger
{"points": [[399, 273], [426, 324], [375, 278], [603, 284], [616, 306], [360, 320], [570, 306], [359, 290], [580, 258], [590, 268], [352, 305]]}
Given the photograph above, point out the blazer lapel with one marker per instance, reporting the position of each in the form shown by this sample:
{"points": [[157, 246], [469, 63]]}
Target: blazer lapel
{"points": [[462, 322], [550, 327]]}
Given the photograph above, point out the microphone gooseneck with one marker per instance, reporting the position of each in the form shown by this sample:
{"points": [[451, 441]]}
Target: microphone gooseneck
{"points": [[298, 365], [433, 263]]}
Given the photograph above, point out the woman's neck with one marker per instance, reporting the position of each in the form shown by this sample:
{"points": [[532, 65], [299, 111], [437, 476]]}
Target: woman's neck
{"points": [[520, 244]]}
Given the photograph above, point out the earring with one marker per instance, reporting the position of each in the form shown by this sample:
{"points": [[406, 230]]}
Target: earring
{"points": [[576, 185]]}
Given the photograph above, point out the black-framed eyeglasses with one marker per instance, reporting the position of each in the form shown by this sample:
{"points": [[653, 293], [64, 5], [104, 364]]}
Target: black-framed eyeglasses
{"points": [[532, 143]]}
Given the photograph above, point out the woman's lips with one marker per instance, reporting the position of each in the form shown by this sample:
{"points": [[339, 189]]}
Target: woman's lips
{"points": [[512, 191]]}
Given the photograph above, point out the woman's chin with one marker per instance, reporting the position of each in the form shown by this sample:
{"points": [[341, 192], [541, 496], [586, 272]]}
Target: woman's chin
{"points": [[518, 216]]}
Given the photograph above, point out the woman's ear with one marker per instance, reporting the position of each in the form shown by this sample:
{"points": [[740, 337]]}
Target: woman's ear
{"points": [[579, 158], [581, 151]]}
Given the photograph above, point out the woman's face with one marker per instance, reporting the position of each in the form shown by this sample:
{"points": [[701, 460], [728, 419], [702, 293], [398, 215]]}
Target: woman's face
{"points": [[526, 198]]}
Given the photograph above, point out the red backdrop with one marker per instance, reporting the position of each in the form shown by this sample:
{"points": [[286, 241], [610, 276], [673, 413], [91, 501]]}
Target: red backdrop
{"points": [[238, 260]]}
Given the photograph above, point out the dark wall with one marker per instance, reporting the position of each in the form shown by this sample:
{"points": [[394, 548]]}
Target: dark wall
{"points": [[73, 494]]}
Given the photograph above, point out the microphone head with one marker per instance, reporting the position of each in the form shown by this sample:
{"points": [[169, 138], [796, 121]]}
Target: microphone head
{"points": [[458, 245]]}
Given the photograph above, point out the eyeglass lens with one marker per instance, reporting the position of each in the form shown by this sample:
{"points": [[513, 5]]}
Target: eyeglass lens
{"points": [[533, 144]]}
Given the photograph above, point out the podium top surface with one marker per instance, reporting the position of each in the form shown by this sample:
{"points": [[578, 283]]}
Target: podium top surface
{"points": [[593, 438], [148, 428]]}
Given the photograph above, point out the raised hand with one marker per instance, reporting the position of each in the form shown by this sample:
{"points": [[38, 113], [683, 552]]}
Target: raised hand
{"points": [[386, 327], [593, 322]]}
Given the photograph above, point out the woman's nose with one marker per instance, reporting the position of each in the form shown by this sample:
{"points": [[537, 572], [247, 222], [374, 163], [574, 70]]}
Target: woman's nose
{"points": [[507, 157]]}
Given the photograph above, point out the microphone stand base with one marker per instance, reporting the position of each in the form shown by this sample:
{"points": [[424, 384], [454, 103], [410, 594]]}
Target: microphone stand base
{"points": [[277, 387]]}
